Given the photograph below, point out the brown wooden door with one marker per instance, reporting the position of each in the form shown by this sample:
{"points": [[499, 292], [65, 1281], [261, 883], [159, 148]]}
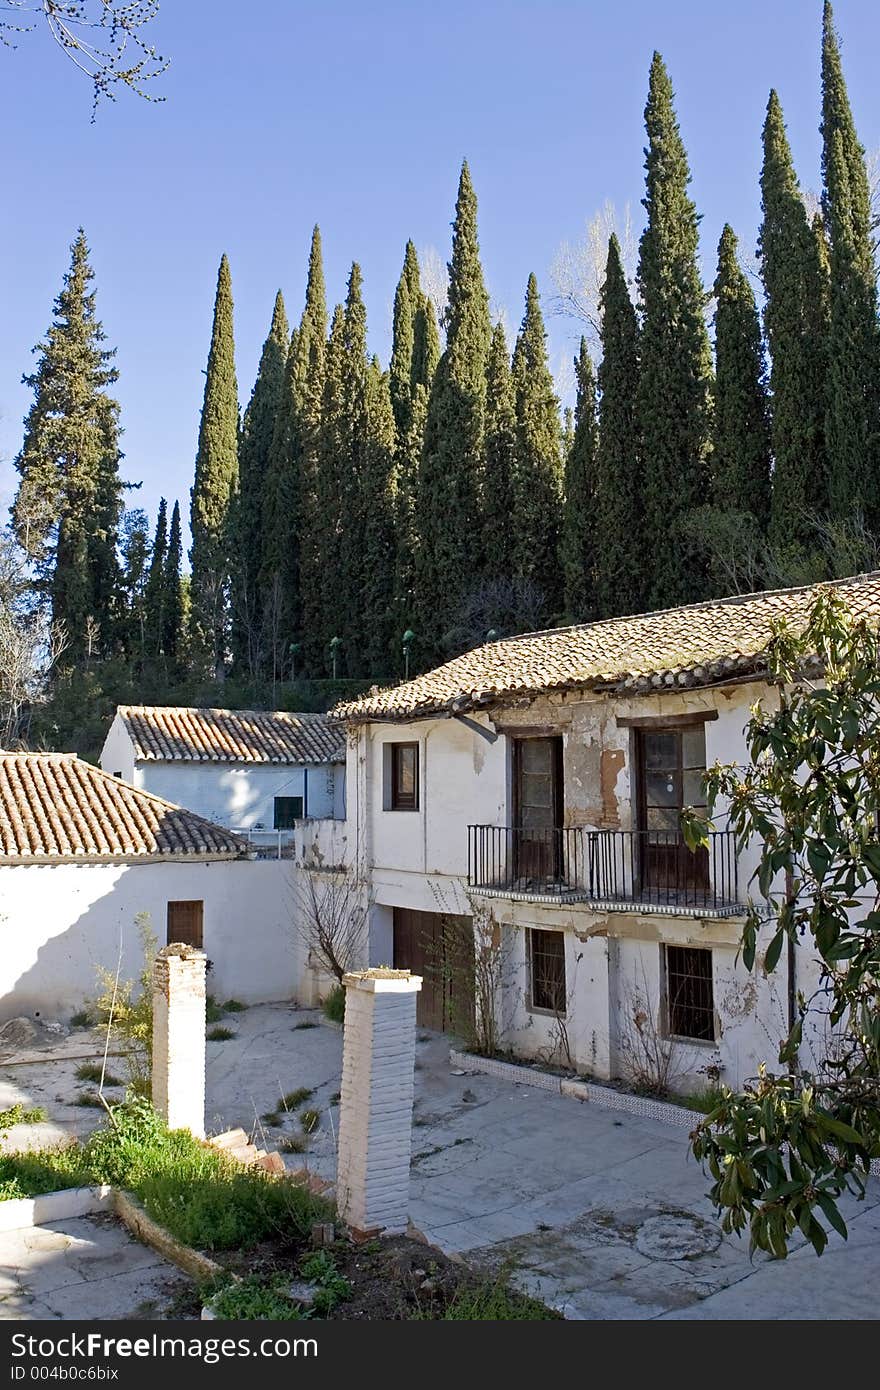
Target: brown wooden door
{"points": [[538, 803], [671, 765], [185, 923], [440, 948]]}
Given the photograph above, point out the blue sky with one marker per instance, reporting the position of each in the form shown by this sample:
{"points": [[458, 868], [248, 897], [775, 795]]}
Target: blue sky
{"points": [[357, 116]]}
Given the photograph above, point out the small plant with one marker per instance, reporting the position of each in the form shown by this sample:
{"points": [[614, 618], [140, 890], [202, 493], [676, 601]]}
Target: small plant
{"points": [[82, 1019], [219, 1034], [309, 1119], [126, 1007], [336, 1098], [234, 1006], [492, 1300], [704, 1100], [256, 1296], [306, 1023], [271, 1117], [91, 1071], [213, 1011], [294, 1144], [18, 1115], [89, 1100], [334, 1004], [332, 1287], [47, 1170], [294, 1099]]}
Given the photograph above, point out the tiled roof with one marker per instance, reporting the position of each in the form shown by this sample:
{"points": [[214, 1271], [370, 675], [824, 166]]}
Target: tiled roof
{"points": [[166, 733], [54, 806], [696, 645]]}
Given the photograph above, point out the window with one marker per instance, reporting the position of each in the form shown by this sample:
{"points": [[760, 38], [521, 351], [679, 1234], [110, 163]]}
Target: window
{"points": [[404, 777], [690, 1010], [287, 810], [185, 920], [547, 970]]}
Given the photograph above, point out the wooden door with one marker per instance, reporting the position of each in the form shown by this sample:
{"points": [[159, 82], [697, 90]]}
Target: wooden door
{"points": [[538, 803], [671, 765], [440, 948]]}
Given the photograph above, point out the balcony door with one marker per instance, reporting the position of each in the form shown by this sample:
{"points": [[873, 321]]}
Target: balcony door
{"points": [[537, 804], [671, 763]]}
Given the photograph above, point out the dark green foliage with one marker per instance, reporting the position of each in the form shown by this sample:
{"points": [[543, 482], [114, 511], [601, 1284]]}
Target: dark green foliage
{"points": [[69, 501], [852, 425], [676, 369], [257, 434], [334, 1005], [795, 297], [172, 599], [617, 533], [499, 558], [576, 544], [378, 540], [537, 473], [741, 437], [216, 480], [154, 600], [134, 546], [450, 481]]}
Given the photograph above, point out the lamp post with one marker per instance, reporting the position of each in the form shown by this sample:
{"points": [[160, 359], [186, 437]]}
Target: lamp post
{"points": [[335, 644], [408, 638]]}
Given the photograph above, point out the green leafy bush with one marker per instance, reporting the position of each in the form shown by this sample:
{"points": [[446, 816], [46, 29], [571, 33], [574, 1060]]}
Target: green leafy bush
{"points": [[334, 1004], [256, 1296]]}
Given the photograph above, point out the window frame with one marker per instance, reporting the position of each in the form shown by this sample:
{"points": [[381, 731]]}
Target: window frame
{"points": [[398, 800], [531, 942], [691, 1039], [199, 903]]}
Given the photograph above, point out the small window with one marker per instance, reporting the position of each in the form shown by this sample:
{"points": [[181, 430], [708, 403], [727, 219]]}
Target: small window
{"points": [[690, 1007], [287, 810], [404, 776], [185, 922], [547, 970]]}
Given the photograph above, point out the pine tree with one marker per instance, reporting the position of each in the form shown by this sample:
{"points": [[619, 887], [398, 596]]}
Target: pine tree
{"points": [[741, 438], [499, 561], [676, 370], [450, 481], [69, 501], [378, 543], [620, 578], [578, 531], [852, 426], [537, 473], [795, 294], [257, 433], [172, 598], [293, 517], [155, 590], [216, 481]]}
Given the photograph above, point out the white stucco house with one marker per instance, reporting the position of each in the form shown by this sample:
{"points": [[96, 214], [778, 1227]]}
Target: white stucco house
{"points": [[528, 795], [254, 771], [84, 855]]}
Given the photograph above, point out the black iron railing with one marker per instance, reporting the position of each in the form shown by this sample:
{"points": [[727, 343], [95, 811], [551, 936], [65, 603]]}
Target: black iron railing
{"points": [[626, 866]]}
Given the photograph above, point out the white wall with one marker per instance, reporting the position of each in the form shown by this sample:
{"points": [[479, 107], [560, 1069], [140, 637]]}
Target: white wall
{"points": [[58, 922]]}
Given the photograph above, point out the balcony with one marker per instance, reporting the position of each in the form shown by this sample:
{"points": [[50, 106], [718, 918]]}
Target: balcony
{"points": [[615, 870]]}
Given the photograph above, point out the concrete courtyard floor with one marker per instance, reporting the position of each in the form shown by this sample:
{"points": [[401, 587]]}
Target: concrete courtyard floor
{"points": [[592, 1209]]}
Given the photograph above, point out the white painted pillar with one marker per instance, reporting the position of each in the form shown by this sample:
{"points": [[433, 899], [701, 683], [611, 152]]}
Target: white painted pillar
{"points": [[375, 1117], [179, 1037]]}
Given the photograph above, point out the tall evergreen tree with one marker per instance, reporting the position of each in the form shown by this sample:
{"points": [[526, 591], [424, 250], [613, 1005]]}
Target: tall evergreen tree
{"points": [[501, 444], [378, 544], [852, 426], [795, 295], [69, 501], [741, 438], [350, 470], [407, 303], [257, 433], [172, 598], [620, 579], [578, 532], [450, 481], [410, 445], [537, 474], [676, 368], [216, 481], [134, 545], [155, 590], [325, 589]]}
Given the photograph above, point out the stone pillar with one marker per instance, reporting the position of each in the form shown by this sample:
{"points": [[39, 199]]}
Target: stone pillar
{"points": [[375, 1117], [179, 1037]]}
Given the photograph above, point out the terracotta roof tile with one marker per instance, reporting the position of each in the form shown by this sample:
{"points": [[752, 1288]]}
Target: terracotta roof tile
{"points": [[167, 733], [54, 806], [694, 645]]}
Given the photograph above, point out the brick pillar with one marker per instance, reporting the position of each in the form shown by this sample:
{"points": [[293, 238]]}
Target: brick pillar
{"points": [[375, 1117], [179, 1037]]}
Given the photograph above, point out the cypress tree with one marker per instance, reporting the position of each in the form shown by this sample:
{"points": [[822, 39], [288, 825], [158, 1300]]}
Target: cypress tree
{"points": [[155, 591], [135, 549], [676, 370], [620, 578], [852, 426], [407, 303], [449, 490], [68, 505], [172, 598], [499, 557], [378, 545], [216, 480], [257, 433], [325, 588], [795, 297], [350, 471], [741, 439], [410, 445], [537, 473], [576, 544]]}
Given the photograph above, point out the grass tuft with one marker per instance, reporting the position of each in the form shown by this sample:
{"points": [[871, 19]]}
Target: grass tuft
{"points": [[89, 1100], [91, 1071], [334, 1005], [293, 1144], [306, 1023], [294, 1099], [219, 1034], [309, 1119], [492, 1300], [234, 1006], [82, 1019], [255, 1296]]}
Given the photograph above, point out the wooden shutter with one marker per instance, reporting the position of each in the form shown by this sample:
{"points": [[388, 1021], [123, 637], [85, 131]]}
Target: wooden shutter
{"points": [[185, 923]]}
